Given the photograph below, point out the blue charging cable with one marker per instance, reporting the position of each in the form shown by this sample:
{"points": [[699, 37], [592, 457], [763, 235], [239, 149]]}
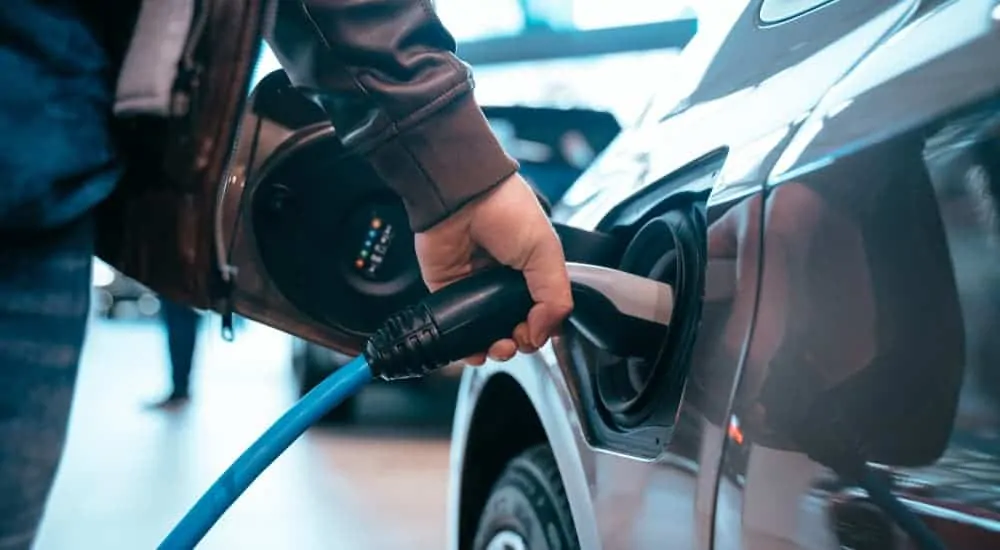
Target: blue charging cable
{"points": [[455, 322], [330, 393]]}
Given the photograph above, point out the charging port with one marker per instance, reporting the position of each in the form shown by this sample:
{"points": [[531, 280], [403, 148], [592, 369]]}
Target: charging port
{"points": [[644, 390]]}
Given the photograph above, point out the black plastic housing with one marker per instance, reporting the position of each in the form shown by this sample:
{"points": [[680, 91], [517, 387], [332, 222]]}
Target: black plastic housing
{"points": [[459, 320]]}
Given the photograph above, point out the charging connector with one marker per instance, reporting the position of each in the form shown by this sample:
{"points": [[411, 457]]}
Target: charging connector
{"points": [[618, 311]]}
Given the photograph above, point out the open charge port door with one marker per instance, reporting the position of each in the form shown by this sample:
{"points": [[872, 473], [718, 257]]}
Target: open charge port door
{"points": [[311, 241]]}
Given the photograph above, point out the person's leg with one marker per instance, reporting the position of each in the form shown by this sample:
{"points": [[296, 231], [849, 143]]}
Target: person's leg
{"points": [[57, 162], [44, 299], [182, 333]]}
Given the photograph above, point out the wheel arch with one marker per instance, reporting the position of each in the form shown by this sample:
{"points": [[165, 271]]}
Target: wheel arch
{"points": [[503, 424], [504, 421]]}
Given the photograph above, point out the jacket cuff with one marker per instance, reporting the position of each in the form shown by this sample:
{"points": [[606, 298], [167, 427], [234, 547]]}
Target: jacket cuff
{"points": [[443, 163]]}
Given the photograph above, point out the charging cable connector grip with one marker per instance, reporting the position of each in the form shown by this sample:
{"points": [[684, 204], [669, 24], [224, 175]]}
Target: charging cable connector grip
{"points": [[622, 313], [460, 320]]}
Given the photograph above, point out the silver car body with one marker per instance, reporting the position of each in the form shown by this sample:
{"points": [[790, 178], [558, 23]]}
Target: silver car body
{"points": [[760, 97]]}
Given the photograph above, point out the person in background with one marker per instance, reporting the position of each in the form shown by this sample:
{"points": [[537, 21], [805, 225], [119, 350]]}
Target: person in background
{"points": [[181, 323]]}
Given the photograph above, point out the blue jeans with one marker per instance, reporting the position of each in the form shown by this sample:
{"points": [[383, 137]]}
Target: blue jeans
{"points": [[57, 162]]}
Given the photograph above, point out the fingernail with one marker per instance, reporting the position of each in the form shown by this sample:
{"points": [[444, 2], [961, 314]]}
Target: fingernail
{"points": [[537, 340]]}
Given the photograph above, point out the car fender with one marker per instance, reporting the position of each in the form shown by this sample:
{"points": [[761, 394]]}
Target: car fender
{"points": [[542, 381]]}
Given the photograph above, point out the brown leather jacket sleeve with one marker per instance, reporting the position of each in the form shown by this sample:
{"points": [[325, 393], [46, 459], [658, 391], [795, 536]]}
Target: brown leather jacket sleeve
{"points": [[386, 72]]}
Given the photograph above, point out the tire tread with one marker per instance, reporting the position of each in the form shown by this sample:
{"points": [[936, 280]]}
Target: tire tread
{"points": [[536, 466]]}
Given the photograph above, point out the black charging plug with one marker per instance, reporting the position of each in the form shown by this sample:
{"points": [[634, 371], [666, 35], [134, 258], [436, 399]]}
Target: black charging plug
{"points": [[455, 322], [618, 311]]}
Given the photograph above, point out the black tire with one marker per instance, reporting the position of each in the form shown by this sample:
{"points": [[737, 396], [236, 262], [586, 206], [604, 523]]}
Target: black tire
{"points": [[311, 367], [529, 502]]}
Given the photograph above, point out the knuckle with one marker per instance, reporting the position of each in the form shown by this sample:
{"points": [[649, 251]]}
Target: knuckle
{"points": [[563, 309]]}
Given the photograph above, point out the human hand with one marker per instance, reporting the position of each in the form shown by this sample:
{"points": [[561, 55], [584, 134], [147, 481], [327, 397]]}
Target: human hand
{"points": [[509, 227]]}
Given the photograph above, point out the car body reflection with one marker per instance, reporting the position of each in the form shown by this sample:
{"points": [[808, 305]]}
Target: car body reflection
{"points": [[841, 171]]}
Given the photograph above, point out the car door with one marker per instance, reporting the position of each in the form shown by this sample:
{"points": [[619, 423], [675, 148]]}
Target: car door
{"points": [[702, 152], [868, 400]]}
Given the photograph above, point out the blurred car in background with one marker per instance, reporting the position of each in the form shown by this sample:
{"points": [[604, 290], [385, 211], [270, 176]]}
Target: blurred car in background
{"points": [[553, 145]]}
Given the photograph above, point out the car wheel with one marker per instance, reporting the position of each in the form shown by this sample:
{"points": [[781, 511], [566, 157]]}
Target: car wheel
{"points": [[311, 366], [527, 508]]}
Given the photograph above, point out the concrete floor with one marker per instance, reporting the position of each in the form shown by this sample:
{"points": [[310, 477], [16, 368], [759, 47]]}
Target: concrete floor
{"points": [[129, 473]]}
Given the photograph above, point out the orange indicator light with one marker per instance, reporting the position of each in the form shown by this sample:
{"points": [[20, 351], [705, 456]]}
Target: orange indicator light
{"points": [[376, 223], [735, 433]]}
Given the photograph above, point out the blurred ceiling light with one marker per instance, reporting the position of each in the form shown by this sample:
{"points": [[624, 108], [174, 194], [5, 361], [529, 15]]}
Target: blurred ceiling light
{"points": [[148, 305], [102, 274]]}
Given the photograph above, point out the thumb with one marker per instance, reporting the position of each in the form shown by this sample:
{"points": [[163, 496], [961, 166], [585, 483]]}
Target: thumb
{"points": [[548, 282]]}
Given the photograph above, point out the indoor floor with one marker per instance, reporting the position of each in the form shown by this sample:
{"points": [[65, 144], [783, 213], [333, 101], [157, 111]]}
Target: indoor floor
{"points": [[129, 473]]}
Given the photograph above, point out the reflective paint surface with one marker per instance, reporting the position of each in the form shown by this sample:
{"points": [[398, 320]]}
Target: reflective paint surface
{"points": [[846, 336]]}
